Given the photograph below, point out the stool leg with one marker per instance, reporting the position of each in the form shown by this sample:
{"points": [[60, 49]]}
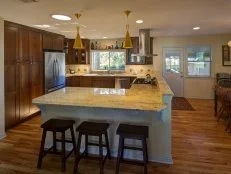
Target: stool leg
{"points": [[41, 152], [63, 152], [119, 154], [101, 153], [77, 156], [107, 144], [73, 140], [145, 155], [54, 142], [122, 151], [86, 145]]}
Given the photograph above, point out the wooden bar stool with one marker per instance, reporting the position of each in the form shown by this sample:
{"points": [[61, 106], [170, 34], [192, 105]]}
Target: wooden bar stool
{"points": [[92, 129], [132, 132], [57, 125]]}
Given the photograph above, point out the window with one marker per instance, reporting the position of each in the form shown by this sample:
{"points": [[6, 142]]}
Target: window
{"points": [[198, 61], [108, 60]]}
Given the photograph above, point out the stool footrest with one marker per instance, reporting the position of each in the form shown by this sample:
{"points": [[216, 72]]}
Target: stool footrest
{"points": [[133, 148], [133, 162], [95, 144], [66, 141]]}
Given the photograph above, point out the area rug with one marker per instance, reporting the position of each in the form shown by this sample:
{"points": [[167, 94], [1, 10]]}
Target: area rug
{"points": [[181, 103]]}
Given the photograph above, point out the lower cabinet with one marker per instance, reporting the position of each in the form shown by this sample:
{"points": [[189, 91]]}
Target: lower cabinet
{"points": [[103, 82], [92, 81]]}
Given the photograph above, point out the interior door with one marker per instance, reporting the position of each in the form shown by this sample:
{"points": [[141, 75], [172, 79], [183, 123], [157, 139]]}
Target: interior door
{"points": [[173, 69]]}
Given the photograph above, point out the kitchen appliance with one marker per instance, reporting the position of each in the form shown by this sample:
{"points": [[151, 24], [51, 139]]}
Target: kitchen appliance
{"points": [[54, 71], [148, 80], [145, 49]]}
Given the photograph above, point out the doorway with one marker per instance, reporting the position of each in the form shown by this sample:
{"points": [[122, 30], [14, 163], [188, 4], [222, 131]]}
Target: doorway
{"points": [[173, 70]]}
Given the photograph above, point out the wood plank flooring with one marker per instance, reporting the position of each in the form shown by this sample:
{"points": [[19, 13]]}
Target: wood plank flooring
{"points": [[200, 146]]}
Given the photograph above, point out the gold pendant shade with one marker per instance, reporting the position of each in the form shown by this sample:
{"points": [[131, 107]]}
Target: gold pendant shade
{"points": [[128, 41], [78, 42]]}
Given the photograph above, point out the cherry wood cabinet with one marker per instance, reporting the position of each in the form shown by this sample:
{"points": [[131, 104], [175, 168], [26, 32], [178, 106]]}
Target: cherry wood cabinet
{"points": [[53, 42], [93, 81], [73, 81], [85, 81], [103, 82], [11, 70], [74, 56], [23, 72]]}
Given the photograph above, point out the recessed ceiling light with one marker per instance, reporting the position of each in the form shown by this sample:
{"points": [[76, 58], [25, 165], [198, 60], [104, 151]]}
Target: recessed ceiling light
{"points": [[139, 21], [196, 28], [61, 17], [43, 26], [104, 37]]}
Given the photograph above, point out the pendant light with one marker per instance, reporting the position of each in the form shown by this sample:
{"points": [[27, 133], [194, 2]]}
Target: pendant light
{"points": [[78, 42], [128, 41]]}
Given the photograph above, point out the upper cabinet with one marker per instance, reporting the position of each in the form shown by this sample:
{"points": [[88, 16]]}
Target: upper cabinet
{"points": [[75, 56], [135, 60], [53, 42]]}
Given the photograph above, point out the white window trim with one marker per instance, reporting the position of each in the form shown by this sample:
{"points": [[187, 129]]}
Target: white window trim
{"points": [[109, 50], [186, 63]]}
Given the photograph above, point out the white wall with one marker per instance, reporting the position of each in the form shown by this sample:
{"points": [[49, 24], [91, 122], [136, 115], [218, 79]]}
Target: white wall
{"points": [[2, 107], [195, 87]]}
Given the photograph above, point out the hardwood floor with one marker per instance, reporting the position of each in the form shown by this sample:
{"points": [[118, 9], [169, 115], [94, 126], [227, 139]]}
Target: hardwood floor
{"points": [[200, 146]]}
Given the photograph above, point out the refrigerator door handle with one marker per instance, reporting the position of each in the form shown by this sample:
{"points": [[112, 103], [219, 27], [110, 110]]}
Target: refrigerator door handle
{"points": [[54, 70], [57, 63]]}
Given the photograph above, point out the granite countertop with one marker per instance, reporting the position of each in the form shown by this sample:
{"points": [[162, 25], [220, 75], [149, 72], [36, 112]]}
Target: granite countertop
{"points": [[138, 97]]}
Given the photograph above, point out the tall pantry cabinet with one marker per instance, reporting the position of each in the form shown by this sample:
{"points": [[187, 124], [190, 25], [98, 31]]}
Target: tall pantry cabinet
{"points": [[23, 72]]}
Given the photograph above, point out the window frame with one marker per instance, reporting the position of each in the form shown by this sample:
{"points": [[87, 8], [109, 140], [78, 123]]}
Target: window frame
{"points": [[186, 62], [109, 69]]}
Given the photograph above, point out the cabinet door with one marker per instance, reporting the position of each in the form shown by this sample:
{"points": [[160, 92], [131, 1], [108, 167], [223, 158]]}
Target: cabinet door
{"points": [[35, 46], [85, 82], [36, 76], [23, 45], [68, 81], [103, 82], [24, 85], [72, 55], [76, 81], [58, 43], [47, 41], [11, 76]]}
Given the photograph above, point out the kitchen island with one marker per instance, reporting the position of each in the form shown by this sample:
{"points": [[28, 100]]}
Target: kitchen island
{"points": [[141, 105]]}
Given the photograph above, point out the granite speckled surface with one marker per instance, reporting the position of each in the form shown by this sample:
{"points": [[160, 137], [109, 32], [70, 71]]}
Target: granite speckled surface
{"points": [[138, 97]]}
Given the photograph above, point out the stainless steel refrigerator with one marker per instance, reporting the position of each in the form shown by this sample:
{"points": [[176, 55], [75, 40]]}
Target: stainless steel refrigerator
{"points": [[54, 69]]}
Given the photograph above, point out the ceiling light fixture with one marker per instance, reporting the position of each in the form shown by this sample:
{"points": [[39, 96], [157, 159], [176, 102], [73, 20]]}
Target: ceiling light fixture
{"points": [[196, 28], [140, 21], [61, 17], [78, 42], [104, 37], [43, 26], [229, 43], [128, 41]]}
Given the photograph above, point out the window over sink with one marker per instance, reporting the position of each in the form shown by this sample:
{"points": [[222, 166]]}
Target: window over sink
{"points": [[113, 60]]}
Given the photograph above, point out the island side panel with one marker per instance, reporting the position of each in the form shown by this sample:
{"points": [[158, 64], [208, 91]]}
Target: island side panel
{"points": [[159, 142]]}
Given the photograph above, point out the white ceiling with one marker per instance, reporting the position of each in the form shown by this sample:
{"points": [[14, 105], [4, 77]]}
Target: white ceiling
{"points": [[106, 17]]}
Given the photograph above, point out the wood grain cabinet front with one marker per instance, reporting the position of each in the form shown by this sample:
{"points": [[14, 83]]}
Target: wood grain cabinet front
{"points": [[23, 72]]}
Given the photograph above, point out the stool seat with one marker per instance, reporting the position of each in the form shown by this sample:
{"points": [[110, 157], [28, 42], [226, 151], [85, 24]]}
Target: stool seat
{"points": [[92, 128], [58, 125], [132, 131]]}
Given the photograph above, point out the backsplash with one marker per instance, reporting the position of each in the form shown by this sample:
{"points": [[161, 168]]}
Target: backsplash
{"points": [[139, 69]]}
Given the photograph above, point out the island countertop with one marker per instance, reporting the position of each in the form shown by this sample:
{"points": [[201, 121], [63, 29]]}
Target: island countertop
{"points": [[138, 97]]}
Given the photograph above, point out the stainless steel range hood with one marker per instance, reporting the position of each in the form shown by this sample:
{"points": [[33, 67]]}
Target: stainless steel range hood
{"points": [[144, 44]]}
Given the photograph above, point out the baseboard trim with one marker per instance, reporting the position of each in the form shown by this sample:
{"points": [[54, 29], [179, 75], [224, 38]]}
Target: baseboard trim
{"points": [[2, 135]]}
